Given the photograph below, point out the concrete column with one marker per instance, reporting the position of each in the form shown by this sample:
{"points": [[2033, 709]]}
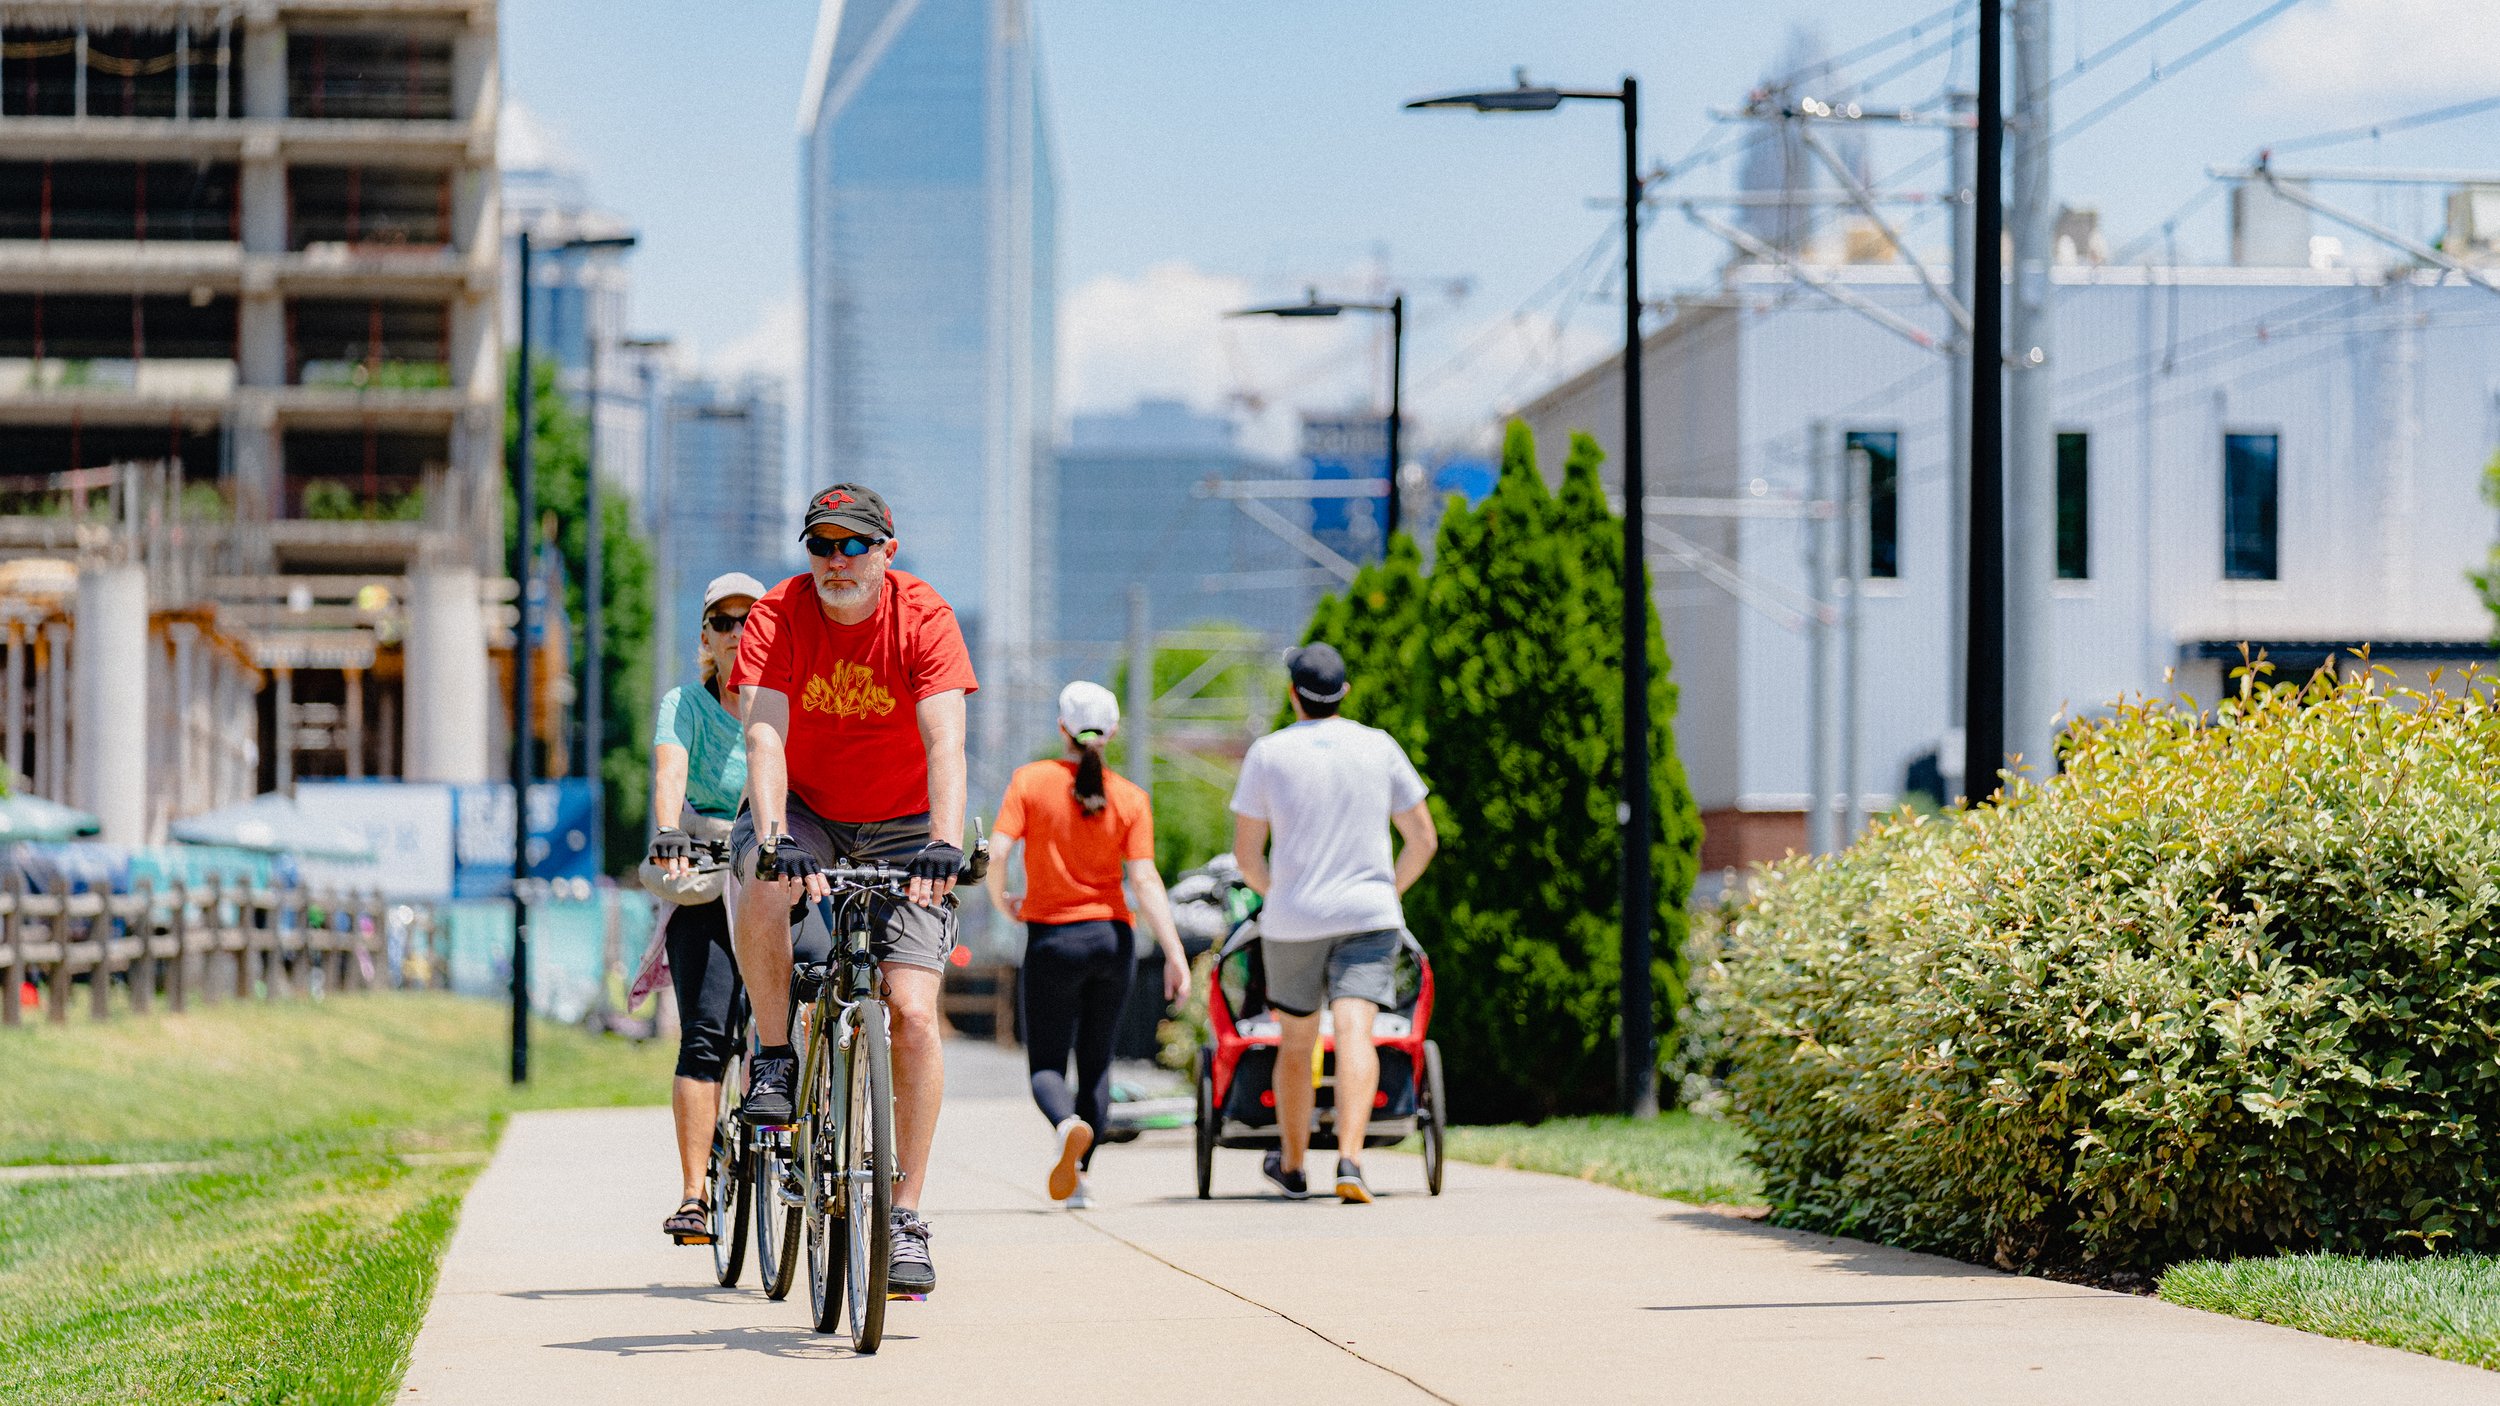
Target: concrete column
{"points": [[111, 681], [15, 704], [355, 724], [2031, 700], [286, 731], [185, 737], [447, 686], [55, 759], [264, 70], [261, 331], [476, 83]]}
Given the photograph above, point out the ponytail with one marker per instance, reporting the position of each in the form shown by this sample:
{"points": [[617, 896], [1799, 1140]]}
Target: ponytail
{"points": [[1089, 789]]}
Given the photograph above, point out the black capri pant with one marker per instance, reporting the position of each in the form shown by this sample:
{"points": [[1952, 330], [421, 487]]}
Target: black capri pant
{"points": [[1076, 978], [703, 966]]}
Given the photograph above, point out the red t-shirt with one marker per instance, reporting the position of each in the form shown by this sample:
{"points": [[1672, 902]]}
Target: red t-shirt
{"points": [[1072, 861], [854, 747]]}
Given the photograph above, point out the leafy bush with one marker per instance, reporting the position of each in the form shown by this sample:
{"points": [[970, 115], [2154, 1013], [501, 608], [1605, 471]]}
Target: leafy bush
{"points": [[2226, 986]]}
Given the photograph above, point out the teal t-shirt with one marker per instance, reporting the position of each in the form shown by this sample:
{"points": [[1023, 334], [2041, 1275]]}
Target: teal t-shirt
{"points": [[716, 751]]}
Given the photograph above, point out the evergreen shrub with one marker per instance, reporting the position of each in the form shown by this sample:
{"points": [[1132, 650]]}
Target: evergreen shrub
{"points": [[2226, 986]]}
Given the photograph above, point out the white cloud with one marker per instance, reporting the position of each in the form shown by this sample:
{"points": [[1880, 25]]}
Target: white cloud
{"points": [[774, 346], [2334, 49]]}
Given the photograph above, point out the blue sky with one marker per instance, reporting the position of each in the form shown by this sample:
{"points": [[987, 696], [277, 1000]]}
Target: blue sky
{"points": [[1213, 153]]}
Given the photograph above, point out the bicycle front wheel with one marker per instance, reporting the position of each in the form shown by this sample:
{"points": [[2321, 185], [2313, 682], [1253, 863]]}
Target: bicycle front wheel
{"points": [[868, 1174]]}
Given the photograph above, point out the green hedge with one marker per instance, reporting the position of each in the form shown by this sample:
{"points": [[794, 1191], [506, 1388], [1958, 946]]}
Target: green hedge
{"points": [[2226, 986]]}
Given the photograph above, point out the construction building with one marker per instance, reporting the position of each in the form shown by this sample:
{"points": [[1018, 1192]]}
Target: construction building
{"points": [[251, 246]]}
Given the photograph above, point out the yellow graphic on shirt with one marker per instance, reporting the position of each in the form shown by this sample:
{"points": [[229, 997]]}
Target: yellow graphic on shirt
{"points": [[852, 692]]}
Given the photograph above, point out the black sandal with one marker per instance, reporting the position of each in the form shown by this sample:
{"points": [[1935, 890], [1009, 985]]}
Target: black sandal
{"points": [[691, 1224]]}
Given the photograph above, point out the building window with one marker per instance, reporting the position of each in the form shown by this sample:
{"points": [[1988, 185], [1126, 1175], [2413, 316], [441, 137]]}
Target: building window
{"points": [[2250, 516], [1881, 451], [2074, 506]]}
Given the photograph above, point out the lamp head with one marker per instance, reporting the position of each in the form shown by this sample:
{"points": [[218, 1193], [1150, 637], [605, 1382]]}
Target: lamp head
{"points": [[1521, 96], [1310, 306]]}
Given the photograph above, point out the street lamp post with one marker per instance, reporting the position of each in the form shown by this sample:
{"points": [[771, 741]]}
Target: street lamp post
{"points": [[1395, 309], [525, 542], [524, 537], [594, 585], [1637, 1055]]}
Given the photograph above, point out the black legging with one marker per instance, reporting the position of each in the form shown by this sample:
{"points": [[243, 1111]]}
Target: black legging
{"points": [[1076, 979], [704, 968]]}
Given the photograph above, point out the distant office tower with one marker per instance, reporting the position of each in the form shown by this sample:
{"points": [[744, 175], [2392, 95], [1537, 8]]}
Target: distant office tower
{"points": [[925, 192], [727, 504], [1133, 510]]}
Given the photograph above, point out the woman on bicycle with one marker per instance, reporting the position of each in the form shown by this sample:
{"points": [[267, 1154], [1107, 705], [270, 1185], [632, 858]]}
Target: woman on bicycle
{"points": [[1082, 828], [698, 774]]}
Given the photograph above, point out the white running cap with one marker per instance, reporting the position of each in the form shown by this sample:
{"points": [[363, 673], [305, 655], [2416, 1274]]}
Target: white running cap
{"points": [[1086, 706], [734, 583]]}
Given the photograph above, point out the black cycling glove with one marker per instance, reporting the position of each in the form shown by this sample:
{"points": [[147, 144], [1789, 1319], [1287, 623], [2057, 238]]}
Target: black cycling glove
{"points": [[783, 858], [671, 843], [937, 862]]}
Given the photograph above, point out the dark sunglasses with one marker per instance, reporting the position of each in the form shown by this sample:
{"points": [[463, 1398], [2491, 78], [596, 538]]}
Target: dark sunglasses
{"points": [[846, 546], [724, 623]]}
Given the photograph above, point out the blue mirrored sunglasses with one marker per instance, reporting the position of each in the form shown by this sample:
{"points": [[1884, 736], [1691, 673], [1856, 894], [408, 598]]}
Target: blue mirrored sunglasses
{"points": [[846, 546]]}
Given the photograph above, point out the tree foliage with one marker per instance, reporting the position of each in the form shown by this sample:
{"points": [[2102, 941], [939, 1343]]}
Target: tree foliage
{"points": [[560, 459], [1500, 672]]}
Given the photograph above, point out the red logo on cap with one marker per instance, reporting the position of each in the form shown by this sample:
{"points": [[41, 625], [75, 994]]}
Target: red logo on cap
{"points": [[834, 499]]}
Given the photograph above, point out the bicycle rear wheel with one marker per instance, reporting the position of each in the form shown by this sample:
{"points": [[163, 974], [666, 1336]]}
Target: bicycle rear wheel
{"points": [[777, 1222], [820, 1164], [868, 1175], [725, 1190]]}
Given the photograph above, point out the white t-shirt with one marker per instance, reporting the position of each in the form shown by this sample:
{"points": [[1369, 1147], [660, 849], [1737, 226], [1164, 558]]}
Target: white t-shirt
{"points": [[1326, 789]]}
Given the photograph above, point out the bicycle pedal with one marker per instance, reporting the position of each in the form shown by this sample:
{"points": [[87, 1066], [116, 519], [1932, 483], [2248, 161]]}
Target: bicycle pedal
{"points": [[892, 1297], [692, 1239]]}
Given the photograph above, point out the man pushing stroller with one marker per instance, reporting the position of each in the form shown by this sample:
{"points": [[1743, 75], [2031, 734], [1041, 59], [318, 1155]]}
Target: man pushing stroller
{"points": [[1324, 793]]}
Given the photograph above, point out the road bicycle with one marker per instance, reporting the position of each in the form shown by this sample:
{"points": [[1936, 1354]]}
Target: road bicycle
{"points": [[842, 1138]]}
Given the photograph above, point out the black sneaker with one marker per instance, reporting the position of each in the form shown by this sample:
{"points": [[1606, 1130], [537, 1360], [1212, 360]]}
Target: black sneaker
{"points": [[1351, 1188], [908, 1269], [1272, 1167], [769, 1082]]}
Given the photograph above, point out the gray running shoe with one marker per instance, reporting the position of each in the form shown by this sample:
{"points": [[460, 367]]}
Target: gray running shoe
{"points": [[1351, 1188], [908, 1270]]}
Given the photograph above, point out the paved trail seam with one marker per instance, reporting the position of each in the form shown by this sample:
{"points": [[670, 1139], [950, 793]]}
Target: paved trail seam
{"points": [[1116, 1237]]}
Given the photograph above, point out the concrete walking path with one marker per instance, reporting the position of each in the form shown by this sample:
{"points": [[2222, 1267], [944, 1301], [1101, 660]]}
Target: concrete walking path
{"points": [[1512, 1287]]}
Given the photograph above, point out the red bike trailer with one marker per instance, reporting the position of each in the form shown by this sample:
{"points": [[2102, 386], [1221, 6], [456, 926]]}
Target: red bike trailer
{"points": [[1236, 1074]]}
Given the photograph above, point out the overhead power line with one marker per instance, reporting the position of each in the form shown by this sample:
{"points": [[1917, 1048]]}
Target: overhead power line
{"points": [[2394, 124], [2143, 85]]}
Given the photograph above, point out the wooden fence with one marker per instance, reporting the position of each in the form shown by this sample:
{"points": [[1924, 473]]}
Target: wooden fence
{"points": [[210, 942]]}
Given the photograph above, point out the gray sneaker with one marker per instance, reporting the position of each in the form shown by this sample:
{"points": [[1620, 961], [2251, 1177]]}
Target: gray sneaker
{"points": [[908, 1269]]}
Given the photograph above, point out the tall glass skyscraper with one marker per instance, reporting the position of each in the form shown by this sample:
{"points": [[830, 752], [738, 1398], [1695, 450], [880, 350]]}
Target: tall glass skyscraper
{"points": [[927, 244]]}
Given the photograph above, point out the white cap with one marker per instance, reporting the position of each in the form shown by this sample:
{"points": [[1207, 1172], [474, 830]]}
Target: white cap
{"points": [[1085, 706], [734, 583]]}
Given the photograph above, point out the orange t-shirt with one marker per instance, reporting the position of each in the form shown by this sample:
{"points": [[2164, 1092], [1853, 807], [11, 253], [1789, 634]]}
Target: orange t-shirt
{"points": [[1072, 860], [854, 749]]}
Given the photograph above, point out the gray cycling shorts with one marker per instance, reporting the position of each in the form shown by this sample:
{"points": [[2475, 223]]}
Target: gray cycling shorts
{"points": [[905, 934], [1304, 976]]}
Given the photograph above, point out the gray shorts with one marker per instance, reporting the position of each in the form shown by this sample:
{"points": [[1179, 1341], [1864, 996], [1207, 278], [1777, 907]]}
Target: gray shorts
{"points": [[906, 934], [1304, 976]]}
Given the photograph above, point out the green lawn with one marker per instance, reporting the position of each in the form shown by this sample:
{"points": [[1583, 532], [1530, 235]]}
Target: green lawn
{"points": [[1701, 1160], [296, 1265], [2446, 1307]]}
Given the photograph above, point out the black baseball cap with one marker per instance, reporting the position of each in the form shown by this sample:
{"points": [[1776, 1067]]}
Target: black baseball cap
{"points": [[1318, 672], [855, 506]]}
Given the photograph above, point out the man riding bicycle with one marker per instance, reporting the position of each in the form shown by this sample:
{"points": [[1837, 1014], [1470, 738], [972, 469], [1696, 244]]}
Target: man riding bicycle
{"points": [[854, 678]]}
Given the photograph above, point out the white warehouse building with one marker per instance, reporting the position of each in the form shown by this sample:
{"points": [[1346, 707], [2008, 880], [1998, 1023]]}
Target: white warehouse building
{"points": [[2283, 456]]}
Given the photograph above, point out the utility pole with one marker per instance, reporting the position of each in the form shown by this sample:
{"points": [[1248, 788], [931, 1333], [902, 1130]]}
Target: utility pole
{"points": [[1983, 736], [1139, 722], [1957, 471], [2030, 410], [1818, 644], [524, 554], [594, 634], [1853, 497]]}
